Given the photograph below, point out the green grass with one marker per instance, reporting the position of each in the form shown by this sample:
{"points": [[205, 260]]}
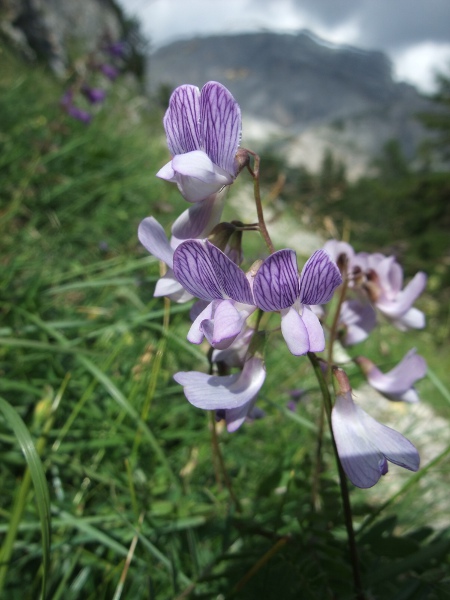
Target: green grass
{"points": [[138, 503]]}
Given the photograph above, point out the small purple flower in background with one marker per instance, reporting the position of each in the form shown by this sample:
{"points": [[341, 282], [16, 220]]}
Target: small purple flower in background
{"points": [[364, 445], [278, 287], [203, 133], [397, 384], [232, 396], [93, 95], [117, 49], [381, 278], [109, 71], [79, 114]]}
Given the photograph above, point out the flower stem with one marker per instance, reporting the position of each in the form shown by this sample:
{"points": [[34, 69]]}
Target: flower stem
{"points": [[257, 193], [359, 593]]}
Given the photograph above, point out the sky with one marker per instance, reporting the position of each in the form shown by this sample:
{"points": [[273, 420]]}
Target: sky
{"points": [[415, 34]]}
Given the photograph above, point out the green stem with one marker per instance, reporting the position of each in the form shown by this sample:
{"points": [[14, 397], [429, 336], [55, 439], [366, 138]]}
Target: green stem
{"points": [[359, 593]]}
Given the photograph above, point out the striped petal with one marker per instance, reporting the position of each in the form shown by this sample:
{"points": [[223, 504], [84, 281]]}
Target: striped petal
{"points": [[193, 269], [320, 277], [234, 283], [182, 119], [220, 125], [276, 283]]}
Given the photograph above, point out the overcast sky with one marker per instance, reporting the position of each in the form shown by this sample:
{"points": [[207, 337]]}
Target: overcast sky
{"points": [[414, 33]]}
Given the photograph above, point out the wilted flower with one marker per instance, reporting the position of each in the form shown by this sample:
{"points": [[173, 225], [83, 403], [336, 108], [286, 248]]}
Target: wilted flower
{"points": [[397, 384], [278, 287], [203, 133], [364, 445], [233, 396]]}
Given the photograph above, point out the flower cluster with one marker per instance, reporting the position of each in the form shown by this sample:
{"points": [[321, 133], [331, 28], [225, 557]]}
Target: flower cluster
{"points": [[203, 258], [90, 80]]}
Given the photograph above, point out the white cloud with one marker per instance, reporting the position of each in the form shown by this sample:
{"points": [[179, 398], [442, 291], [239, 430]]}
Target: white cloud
{"points": [[420, 64]]}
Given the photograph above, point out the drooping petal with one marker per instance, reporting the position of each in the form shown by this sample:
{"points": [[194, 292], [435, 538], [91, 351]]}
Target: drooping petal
{"points": [[294, 331], [314, 328], [319, 278], [200, 218], [193, 269], [404, 299], [276, 283], [182, 119], [400, 380], [234, 417], [234, 355], [221, 125], [215, 392], [363, 444], [232, 279], [153, 237], [195, 334]]}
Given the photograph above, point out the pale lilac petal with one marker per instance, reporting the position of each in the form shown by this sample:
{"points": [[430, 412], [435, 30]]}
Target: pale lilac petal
{"points": [[215, 392], [319, 278], [182, 119], [200, 218], [359, 320], [404, 299], [153, 237], [363, 444], [411, 319], [315, 330], [171, 288], [232, 279], [221, 125], [294, 332], [193, 269], [195, 334], [398, 382], [275, 284], [224, 326], [395, 447], [339, 252], [234, 417], [196, 176], [234, 355]]}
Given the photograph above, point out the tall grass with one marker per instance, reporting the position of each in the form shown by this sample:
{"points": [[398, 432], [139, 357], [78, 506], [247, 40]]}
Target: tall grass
{"points": [[99, 445]]}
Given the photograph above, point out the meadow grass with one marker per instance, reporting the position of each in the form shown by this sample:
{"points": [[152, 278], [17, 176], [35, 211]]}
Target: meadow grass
{"points": [[112, 484]]}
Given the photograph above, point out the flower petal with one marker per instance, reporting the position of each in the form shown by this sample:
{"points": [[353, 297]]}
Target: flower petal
{"points": [[215, 392], [294, 331], [405, 298], [153, 237], [320, 277], [200, 218], [224, 326], [234, 417], [221, 125], [276, 283], [314, 328], [232, 279], [359, 320], [193, 269], [171, 288], [195, 334], [181, 120]]}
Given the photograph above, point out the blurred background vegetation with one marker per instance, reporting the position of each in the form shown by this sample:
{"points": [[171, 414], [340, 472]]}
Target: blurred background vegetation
{"points": [[140, 505]]}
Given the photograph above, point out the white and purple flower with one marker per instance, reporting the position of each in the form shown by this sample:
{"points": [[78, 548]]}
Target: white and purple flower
{"points": [[203, 133], [278, 287], [364, 446]]}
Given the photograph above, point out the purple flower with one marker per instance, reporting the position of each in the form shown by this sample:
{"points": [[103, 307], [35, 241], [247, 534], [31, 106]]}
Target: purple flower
{"points": [[109, 71], [278, 287], [364, 445], [93, 95], [397, 384], [381, 279], [79, 114], [203, 133], [233, 396], [207, 273], [117, 49]]}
